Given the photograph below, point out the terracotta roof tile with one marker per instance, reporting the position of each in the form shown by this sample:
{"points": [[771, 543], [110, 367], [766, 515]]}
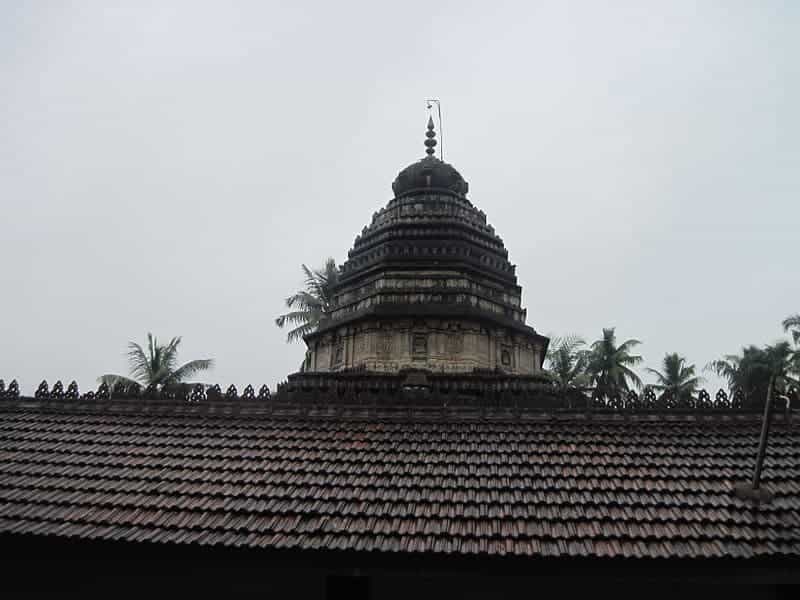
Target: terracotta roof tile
{"points": [[566, 486]]}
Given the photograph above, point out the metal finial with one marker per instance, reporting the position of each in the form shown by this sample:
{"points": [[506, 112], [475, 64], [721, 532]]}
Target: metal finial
{"points": [[430, 143], [429, 150]]}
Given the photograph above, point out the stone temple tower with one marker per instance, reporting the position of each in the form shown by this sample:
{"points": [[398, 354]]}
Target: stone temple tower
{"points": [[427, 286]]}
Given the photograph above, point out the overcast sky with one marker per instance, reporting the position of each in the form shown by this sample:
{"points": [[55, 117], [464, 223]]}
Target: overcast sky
{"points": [[167, 166]]}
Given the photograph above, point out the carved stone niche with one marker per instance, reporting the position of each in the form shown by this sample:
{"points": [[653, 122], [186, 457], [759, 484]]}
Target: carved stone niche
{"points": [[419, 346], [506, 356], [337, 354]]}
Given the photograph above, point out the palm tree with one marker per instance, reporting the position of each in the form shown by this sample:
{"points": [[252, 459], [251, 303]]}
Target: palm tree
{"points": [[678, 379], [780, 361], [779, 364], [609, 364], [311, 305], [733, 368], [752, 370], [791, 324], [567, 360], [157, 365]]}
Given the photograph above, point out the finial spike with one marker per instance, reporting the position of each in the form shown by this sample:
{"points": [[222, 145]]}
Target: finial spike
{"points": [[430, 143]]}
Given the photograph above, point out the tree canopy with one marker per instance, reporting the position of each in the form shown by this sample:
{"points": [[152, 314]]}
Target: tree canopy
{"points": [[312, 304], [567, 358], [610, 364], [157, 364], [751, 370], [676, 378], [791, 325]]}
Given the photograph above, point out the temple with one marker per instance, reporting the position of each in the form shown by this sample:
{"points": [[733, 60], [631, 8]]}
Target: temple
{"points": [[427, 287], [421, 437]]}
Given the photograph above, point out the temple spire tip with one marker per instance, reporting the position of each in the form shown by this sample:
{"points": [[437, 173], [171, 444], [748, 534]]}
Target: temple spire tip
{"points": [[430, 142]]}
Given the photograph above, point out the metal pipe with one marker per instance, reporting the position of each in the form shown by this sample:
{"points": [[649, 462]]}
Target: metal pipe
{"points": [[762, 443]]}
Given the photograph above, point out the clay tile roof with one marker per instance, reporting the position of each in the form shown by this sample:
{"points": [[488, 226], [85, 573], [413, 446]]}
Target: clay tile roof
{"points": [[531, 485]]}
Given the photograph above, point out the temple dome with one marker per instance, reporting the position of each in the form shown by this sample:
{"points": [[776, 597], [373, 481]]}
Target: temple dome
{"points": [[429, 174]]}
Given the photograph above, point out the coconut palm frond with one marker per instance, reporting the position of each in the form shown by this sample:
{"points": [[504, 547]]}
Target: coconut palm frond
{"points": [[566, 362], [609, 364], [791, 324], [303, 301], [320, 282], [628, 345], [569, 343], [313, 304], [160, 376], [169, 354], [752, 370], [693, 383], [294, 317], [676, 377], [140, 363], [661, 380], [155, 364], [189, 369], [298, 333], [626, 377]]}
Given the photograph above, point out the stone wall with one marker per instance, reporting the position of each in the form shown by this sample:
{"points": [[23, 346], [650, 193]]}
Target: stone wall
{"points": [[439, 345]]}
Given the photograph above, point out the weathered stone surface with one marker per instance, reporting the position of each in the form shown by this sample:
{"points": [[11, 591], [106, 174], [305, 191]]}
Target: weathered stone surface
{"points": [[450, 345]]}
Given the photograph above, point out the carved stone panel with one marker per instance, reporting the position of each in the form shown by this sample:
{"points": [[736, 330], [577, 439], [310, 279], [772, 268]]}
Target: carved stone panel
{"points": [[506, 359], [384, 349], [362, 346], [419, 346], [338, 352], [455, 343]]}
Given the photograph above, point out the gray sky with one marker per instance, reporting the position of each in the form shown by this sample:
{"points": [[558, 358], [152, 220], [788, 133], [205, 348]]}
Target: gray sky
{"points": [[167, 166]]}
